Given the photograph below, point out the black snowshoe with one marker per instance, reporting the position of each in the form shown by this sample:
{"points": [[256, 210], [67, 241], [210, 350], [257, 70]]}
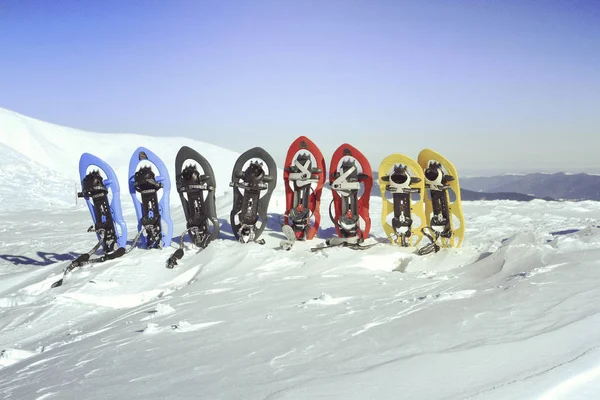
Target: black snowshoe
{"points": [[252, 190], [196, 190]]}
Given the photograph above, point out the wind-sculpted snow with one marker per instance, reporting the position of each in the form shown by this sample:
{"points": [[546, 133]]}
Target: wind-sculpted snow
{"points": [[24, 180], [513, 314]]}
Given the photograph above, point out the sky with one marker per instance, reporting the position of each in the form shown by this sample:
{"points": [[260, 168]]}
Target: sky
{"points": [[495, 86]]}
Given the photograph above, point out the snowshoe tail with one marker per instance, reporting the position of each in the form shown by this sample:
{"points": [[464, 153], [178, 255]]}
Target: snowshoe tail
{"points": [[402, 186], [443, 208], [304, 177], [290, 235], [253, 179], [153, 186], [351, 180]]}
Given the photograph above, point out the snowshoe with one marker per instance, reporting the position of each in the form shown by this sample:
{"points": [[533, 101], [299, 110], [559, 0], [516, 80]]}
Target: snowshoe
{"points": [[351, 179], [253, 180], [150, 193], [304, 177], [441, 211], [196, 185], [102, 195], [103, 199], [196, 188], [402, 186]]}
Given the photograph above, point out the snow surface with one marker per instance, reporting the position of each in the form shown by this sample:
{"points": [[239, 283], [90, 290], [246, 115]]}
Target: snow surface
{"points": [[513, 314]]}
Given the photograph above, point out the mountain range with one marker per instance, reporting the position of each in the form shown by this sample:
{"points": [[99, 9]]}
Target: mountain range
{"points": [[559, 186]]}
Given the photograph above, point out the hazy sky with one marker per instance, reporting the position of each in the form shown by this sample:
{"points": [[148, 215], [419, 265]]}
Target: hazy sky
{"points": [[493, 85]]}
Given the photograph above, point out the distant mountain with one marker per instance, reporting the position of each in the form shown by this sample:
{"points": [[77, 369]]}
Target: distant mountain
{"points": [[557, 186], [470, 195]]}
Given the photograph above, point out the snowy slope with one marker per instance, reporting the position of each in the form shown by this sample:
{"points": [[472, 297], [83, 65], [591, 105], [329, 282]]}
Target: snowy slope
{"points": [[23, 178], [514, 314], [59, 149]]}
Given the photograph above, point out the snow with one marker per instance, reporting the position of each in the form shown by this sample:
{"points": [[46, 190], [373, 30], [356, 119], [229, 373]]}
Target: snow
{"points": [[513, 314]]}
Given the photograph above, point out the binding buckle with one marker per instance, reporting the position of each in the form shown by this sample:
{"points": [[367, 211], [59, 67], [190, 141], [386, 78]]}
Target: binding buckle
{"points": [[343, 186], [246, 233], [305, 176]]}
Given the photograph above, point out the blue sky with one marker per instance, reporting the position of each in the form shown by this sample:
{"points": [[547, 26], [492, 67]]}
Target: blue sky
{"points": [[495, 86]]}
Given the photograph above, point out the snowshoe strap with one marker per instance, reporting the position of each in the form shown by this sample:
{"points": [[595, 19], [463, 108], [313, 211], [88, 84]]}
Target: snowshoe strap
{"points": [[432, 247], [172, 261], [300, 213], [348, 224], [250, 186], [136, 239], [86, 256], [93, 188], [401, 187], [440, 221], [435, 179], [246, 233], [249, 211], [153, 232], [148, 188], [304, 176], [145, 181], [202, 240], [402, 221], [178, 255], [343, 186], [330, 213], [402, 228], [300, 217], [195, 187]]}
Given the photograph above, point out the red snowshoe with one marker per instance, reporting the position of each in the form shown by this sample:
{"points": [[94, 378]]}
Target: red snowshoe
{"points": [[304, 177], [351, 180]]}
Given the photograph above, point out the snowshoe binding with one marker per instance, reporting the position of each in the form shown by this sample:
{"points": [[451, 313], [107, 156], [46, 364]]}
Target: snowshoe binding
{"points": [[304, 177], [196, 185], [103, 199], [351, 180], [104, 202], [401, 180], [253, 180], [155, 227], [441, 211]]}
